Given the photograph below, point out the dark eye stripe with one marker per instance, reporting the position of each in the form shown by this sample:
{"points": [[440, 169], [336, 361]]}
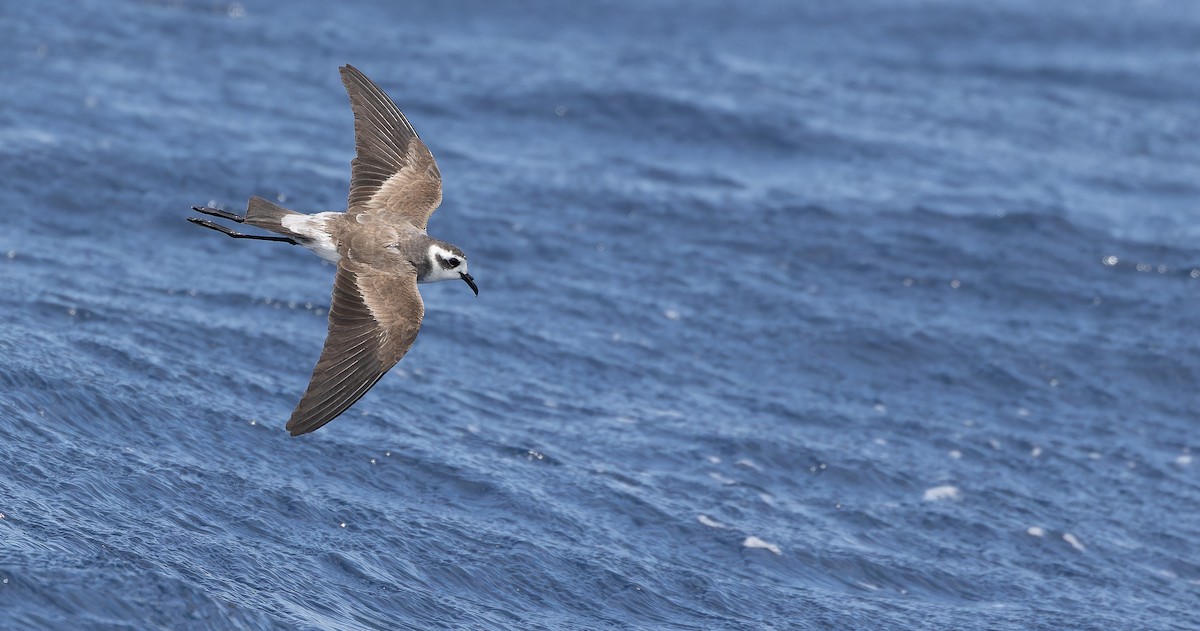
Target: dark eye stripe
{"points": [[448, 263]]}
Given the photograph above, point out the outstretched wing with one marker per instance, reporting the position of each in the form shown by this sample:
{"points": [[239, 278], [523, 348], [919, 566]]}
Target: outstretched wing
{"points": [[393, 171], [373, 320]]}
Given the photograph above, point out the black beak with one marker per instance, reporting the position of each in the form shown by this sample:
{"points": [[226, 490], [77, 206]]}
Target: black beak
{"points": [[470, 281]]}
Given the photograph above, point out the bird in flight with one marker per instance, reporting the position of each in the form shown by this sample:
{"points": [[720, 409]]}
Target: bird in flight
{"points": [[380, 248]]}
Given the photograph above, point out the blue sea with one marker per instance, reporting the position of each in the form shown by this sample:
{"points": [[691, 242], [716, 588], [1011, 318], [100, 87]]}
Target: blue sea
{"points": [[792, 315]]}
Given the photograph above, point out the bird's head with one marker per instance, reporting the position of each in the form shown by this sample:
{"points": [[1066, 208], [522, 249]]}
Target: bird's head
{"points": [[447, 262]]}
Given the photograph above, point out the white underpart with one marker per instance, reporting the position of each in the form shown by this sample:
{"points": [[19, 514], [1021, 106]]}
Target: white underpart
{"points": [[313, 228], [436, 272]]}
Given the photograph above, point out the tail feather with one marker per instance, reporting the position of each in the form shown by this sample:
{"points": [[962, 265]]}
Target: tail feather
{"points": [[268, 215]]}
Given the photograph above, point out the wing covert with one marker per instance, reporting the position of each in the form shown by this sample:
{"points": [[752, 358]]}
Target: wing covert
{"points": [[393, 171], [373, 320]]}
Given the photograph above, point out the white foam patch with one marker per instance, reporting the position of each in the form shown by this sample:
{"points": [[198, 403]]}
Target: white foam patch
{"points": [[749, 464], [709, 521], [722, 479], [1074, 541], [1183, 460], [755, 542], [944, 492], [1035, 531]]}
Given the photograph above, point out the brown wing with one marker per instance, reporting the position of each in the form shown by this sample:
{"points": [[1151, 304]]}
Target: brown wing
{"points": [[373, 321], [393, 171]]}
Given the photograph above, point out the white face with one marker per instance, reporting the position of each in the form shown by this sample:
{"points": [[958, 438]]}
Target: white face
{"points": [[445, 265]]}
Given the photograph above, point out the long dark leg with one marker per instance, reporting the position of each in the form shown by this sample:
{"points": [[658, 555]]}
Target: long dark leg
{"points": [[217, 212], [236, 235]]}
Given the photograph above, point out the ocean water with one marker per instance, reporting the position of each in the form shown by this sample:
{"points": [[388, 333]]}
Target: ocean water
{"points": [[792, 315]]}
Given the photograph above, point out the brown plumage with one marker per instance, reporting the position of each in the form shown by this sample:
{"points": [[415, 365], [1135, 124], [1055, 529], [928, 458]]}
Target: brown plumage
{"points": [[380, 247]]}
